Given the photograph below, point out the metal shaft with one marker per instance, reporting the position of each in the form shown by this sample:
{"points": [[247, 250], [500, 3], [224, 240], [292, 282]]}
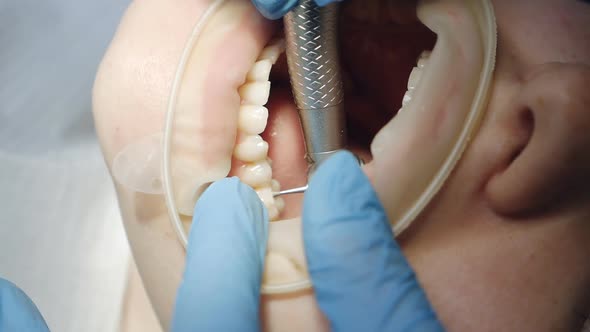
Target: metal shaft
{"points": [[311, 35]]}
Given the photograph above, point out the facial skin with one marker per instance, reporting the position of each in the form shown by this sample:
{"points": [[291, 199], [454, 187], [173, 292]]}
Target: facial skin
{"points": [[505, 245]]}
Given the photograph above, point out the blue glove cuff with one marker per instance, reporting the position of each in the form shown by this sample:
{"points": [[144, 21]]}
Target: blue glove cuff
{"points": [[17, 311], [273, 9]]}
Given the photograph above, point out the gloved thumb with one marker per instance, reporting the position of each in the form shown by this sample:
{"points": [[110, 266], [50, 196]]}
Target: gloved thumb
{"points": [[275, 9], [361, 278], [17, 311], [220, 290]]}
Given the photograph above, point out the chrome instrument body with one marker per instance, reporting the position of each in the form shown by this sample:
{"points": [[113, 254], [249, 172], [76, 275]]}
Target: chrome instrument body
{"points": [[311, 35]]}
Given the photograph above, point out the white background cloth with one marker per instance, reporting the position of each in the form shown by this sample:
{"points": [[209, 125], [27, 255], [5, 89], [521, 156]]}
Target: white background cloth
{"points": [[61, 237]]}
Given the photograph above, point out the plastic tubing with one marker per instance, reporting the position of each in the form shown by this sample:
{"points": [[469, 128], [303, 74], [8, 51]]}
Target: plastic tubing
{"points": [[169, 120]]}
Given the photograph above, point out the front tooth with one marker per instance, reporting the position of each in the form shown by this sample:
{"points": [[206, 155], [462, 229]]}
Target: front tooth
{"points": [[421, 63], [267, 198], [273, 51], [260, 71], [280, 204], [407, 98], [273, 213], [255, 93], [279, 201], [256, 174], [250, 148], [252, 119], [414, 78], [423, 60], [275, 185]]}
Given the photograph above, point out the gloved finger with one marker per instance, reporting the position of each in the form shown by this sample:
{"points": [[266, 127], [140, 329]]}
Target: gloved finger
{"points": [[17, 311], [274, 9], [322, 3], [361, 278], [220, 290]]}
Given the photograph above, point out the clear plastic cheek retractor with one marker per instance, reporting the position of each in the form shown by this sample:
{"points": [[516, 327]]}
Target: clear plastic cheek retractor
{"points": [[311, 34], [144, 165]]}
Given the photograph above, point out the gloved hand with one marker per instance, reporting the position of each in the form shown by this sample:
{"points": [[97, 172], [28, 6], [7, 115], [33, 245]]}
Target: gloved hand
{"points": [[220, 290], [361, 278], [275, 9], [17, 311]]}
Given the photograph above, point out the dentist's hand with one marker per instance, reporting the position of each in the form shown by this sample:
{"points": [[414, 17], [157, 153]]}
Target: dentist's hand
{"points": [[220, 290], [17, 311], [361, 278], [275, 9]]}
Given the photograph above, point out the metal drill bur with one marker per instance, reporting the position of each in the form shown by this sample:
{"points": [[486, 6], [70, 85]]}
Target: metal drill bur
{"points": [[312, 55]]}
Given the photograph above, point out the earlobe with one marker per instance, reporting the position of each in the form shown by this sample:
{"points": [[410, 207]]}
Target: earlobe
{"points": [[549, 163]]}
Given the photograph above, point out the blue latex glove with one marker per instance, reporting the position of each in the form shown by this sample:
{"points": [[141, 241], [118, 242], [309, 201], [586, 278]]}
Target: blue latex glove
{"points": [[275, 9], [17, 311], [220, 290], [361, 278]]}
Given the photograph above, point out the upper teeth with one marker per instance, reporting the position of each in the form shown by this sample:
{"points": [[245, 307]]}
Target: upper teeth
{"points": [[415, 76], [255, 93], [260, 71], [250, 148], [252, 119], [423, 60], [273, 51]]}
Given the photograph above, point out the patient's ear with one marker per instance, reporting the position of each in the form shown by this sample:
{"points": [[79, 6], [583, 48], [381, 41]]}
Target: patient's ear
{"points": [[548, 164]]}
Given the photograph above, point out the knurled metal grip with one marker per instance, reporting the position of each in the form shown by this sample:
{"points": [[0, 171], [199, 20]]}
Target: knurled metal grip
{"points": [[311, 36]]}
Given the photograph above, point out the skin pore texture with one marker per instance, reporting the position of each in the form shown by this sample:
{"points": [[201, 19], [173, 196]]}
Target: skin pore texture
{"points": [[503, 246]]}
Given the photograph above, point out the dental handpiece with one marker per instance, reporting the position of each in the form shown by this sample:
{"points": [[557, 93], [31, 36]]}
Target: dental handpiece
{"points": [[311, 34]]}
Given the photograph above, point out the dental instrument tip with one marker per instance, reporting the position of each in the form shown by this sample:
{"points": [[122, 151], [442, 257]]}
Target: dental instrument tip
{"points": [[298, 190]]}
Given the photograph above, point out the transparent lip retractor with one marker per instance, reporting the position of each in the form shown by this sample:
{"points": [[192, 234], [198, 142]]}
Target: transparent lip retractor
{"points": [[166, 175], [144, 165]]}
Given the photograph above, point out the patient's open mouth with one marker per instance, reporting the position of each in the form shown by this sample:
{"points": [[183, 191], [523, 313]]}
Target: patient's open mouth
{"points": [[427, 66], [380, 46], [379, 49]]}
